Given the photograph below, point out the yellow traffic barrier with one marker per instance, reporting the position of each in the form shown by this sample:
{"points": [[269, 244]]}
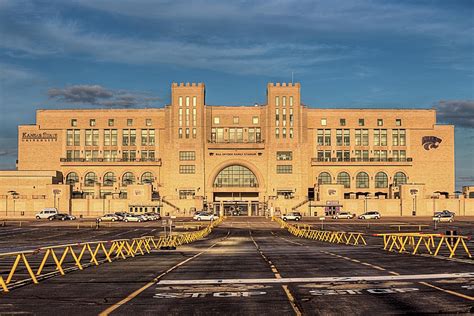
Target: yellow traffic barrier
{"points": [[88, 253], [417, 243], [338, 237]]}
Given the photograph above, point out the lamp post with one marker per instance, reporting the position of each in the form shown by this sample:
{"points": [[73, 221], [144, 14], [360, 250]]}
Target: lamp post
{"points": [[13, 194]]}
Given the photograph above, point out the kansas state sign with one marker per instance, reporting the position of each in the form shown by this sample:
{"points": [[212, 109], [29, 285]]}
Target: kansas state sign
{"points": [[430, 142]]}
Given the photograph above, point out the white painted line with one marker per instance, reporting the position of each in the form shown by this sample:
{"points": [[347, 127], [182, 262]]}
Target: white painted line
{"points": [[322, 279]]}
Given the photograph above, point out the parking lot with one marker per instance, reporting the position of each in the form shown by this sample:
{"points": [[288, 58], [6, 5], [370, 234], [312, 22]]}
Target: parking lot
{"points": [[247, 266]]}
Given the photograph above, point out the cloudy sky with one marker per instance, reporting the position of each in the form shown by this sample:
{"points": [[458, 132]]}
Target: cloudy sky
{"points": [[114, 53]]}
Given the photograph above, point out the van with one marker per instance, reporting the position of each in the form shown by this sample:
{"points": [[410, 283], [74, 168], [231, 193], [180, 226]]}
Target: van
{"points": [[46, 213]]}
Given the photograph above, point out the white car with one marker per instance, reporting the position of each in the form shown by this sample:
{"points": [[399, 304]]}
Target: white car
{"points": [[133, 218], [449, 218], [204, 217], [108, 218], [292, 216], [346, 215], [46, 213], [370, 215]]}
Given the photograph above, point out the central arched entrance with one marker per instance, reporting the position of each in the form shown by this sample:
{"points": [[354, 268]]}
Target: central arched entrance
{"points": [[236, 191]]}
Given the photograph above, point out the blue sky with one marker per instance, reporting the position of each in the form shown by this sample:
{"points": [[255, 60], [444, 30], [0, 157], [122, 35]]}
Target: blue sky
{"points": [[104, 53]]}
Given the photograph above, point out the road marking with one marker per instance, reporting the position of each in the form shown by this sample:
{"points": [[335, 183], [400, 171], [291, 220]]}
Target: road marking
{"points": [[285, 288], [323, 292], [471, 298], [321, 279], [134, 294]]}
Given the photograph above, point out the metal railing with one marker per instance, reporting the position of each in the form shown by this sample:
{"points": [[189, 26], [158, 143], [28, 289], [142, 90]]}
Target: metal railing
{"points": [[321, 159], [110, 160]]}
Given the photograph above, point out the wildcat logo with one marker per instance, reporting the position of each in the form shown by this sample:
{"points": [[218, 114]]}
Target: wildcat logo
{"points": [[430, 142], [331, 191]]}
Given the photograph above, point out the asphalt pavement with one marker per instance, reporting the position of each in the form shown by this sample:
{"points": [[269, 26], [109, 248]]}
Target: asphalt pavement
{"points": [[250, 266]]}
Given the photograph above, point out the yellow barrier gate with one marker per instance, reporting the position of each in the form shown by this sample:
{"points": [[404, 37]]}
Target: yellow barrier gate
{"points": [[417, 243], [89, 253], [338, 237]]}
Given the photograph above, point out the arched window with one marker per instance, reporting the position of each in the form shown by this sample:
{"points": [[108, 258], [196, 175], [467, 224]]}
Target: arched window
{"points": [[236, 176], [109, 179], [128, 178], [90, 179], [362, 180], [72, 178], [147, 177], [345, 179], [399, 178], [381, 180], [324, 178]]}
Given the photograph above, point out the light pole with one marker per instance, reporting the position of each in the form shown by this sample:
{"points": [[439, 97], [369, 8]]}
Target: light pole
{"points": [[13, 194]]}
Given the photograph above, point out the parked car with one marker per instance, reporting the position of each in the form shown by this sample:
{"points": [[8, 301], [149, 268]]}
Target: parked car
{"points": [[444, 212], [346, 215], [370, 215], [133, 218], [62, 217], [204, 216], [46, 213], [292, 216], [108, 218], [120, 215], [443, 217]]}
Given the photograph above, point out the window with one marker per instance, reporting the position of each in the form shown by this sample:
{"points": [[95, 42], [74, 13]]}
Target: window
{"points": [[342, 122], [91, 155], [383, 137], [110, 155], [283, 132], [77, 137], [362, 180], [284, 155], [399, 178], [147, 178], [110, 122], [235, 120], [291, 117], [398, 122], [187, 169], [148, 122], [72, 155], [148, 137], [194, 102], [194, 117], [180, 133], [291, 132], [324, 122], [287, 194], [187, 101], [283, 101], [361, 122], [344, 179], [284, 169], [339, 137], [109, 179], [72, 178], [69, 137], [129, 137], [90, 179], [255, 120], [379, 122], [291, 101], [92, 137], [187, 155], [277, 101], [327, 137], [381, 180], [277, 133], [180, 101], [73, 122], [128, 178], [395, 137], [194, 132], [216, 120], [320, 137], [347, 137], [92, 122], [365, 137], [277, 117], [399, 137], [324, 155], [129, 122], [324, 178], [147, 155], [187, 132], [402, 137], [186, 194], [236, 176]]}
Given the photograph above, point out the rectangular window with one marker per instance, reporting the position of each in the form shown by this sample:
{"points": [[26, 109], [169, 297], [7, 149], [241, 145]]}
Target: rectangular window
{"points": [[148, 122], [95, 137], [376, 137], [144, 137], [187, 116], [113, 138], [383, 155], [395, 155], [358, 137], [324, 122], [111, 122], [379, 122], [194, 117], [395, 137], [277, 117], [180, 133], [180, 117], [291, 101], [92, 122], [194, 102], [284, 169], [277, 133], [291, 117], [235, 120], [255, 120], [283, 101], [125, 155], [258, 135], [383, 137], [72, 155], [216, 120], [187, 155], [187, 169], [180, 101], [361, 122], [251, 135], [220, 135], [194, 133], [125, 137], [187, 132], [365, 155], [73, 122], [339, 137], [148, 155], [77, 137], [133, 155], [69, 137], [88, 137], [186, 194], [402, 137], [187, 101], [151, 137], [342, 122], [403, 155], [327, 137], [133, 137], [339, 155], [277, 101], [291, 132], [320, 137], [398, 122], [283, 132], [347, 137], [365, 137], [129, 122]]}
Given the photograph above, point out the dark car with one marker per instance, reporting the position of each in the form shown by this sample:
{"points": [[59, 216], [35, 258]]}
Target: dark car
{"points": [[120, 215], [62, 217]]}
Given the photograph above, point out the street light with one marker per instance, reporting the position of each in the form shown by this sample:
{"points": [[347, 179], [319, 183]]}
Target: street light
{"points": [[13, 194]]}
